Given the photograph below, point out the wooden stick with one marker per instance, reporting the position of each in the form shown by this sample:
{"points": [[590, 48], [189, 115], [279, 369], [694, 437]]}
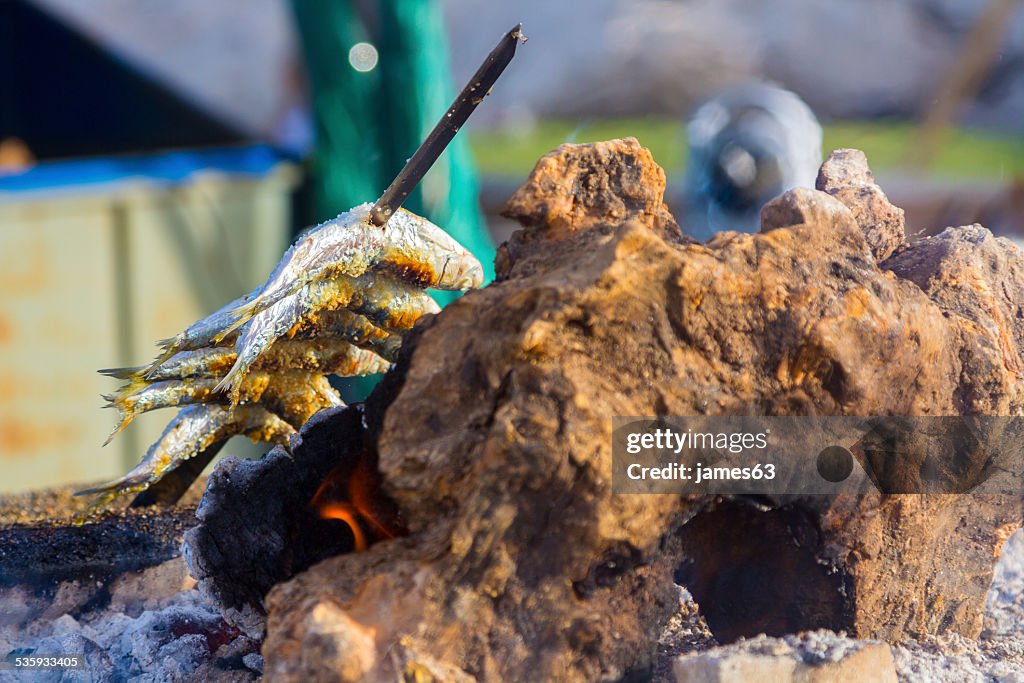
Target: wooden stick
{"points": [[464, 105]]}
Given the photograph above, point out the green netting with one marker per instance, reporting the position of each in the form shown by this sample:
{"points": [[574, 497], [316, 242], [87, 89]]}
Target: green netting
{"points": [[369, 123]]}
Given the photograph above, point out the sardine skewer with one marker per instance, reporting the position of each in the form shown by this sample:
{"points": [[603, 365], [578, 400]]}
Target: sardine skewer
{"points": [[339, 301], [409, 247]]}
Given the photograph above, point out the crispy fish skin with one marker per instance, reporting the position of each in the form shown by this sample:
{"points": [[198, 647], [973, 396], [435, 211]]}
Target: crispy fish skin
{"points": [[134, 399], [194, 429], [323, 356], [351, 327], [338, 302], [296, 399], [419, 252], [202, 332], [205, 362], [392, 305], [337, 247], [272, 323], [408, 246]]}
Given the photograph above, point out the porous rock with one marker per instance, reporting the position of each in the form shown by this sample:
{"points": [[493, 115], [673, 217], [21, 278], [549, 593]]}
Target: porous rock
{"points": [[568, 192], [979, 277], [495, 444], [845, 175]]}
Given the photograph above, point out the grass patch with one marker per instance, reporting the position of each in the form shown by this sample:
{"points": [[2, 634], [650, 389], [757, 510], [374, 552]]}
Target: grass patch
{"points": [[964, 154]]}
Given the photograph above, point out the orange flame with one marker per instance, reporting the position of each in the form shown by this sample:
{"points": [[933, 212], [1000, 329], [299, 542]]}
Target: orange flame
{"points": [[346, 514], [352, 495]]}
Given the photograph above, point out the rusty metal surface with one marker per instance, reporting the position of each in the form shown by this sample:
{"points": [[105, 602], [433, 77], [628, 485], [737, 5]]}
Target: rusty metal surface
{"points": [[89, 277]]}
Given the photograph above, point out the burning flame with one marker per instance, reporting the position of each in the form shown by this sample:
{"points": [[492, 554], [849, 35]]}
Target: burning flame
{"points": [[347, 514], [353, 497]]}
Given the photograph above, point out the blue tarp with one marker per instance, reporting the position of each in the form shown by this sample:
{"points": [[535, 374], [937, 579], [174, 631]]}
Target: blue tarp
{"points": [[164, 167]]}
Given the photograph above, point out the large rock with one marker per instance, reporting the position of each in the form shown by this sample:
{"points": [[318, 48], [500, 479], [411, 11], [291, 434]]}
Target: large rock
{"points": [[495, 443]]}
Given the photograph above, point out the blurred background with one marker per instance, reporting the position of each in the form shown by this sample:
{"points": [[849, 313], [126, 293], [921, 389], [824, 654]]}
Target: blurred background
{"points": [[156, 158]]}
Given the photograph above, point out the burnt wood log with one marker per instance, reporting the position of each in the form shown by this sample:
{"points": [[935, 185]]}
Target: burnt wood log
{"points": [[258, 524], [495, 438], [48, 552]]}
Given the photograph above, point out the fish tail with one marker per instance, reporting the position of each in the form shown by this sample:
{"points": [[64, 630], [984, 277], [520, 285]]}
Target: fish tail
{"points": [[106, 493], [242, 314], [170, 343], [124, 421], [170, 347], [231, 384], [102, 488], [131, 374], [121, 400]]}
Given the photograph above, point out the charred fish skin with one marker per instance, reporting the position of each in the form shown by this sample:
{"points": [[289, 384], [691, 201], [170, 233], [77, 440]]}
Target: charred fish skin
{"points": [[419, 252], [338, 302], [408, 247]]}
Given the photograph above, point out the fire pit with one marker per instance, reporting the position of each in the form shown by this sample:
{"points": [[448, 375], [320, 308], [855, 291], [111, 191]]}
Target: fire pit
{"points": [[115, 592], [462, 523]]}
